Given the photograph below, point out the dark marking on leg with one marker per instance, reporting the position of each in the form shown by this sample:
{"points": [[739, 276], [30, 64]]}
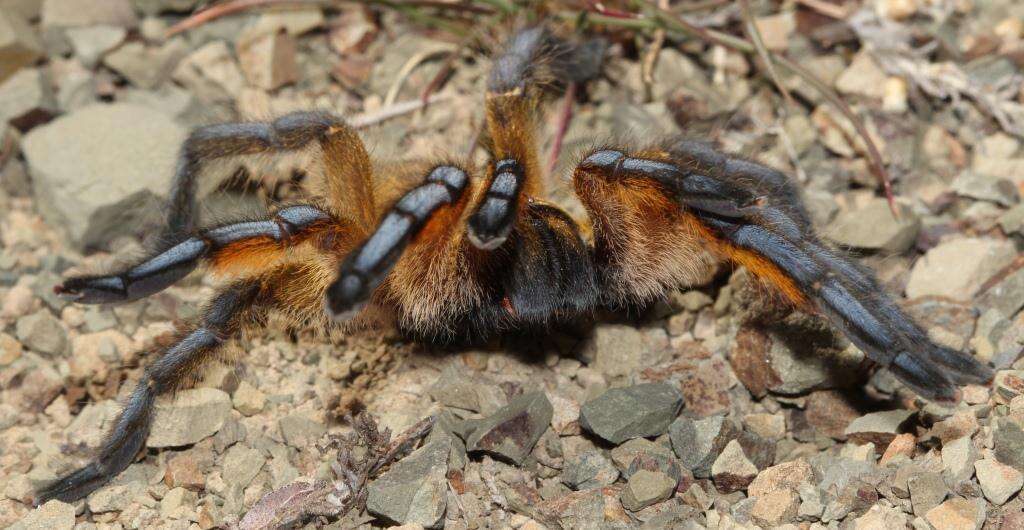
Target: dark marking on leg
{"points": [[491, 223], [367, 265]]}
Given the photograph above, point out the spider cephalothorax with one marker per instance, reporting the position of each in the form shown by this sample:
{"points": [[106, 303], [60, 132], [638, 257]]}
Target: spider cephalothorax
{"points": [[456, 251]]}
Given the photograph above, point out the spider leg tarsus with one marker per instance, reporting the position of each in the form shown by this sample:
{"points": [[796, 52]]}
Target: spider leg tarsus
{"points": [[171, 265], [492, 222]]}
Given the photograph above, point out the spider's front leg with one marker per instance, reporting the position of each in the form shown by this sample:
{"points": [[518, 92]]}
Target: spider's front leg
{"points": [[653, 208], [177, 367], [347, 185]]}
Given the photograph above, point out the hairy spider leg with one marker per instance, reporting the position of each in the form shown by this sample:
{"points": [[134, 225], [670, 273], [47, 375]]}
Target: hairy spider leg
{"points": [[179, 364], [725, 211], [366, 267], [246, 248], [294, 290], [347, 185]]}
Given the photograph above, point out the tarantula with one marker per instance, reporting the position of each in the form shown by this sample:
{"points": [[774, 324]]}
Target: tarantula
{"points": [[450, 250]]}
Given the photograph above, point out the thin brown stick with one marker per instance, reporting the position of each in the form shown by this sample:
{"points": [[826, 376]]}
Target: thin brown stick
{"points": [[564, 117], [651, 57], [227, 8], [826, 8], [1001, 275]]}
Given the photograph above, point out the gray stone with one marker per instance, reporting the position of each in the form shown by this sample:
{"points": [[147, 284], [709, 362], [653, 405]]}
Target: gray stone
{"points": [[619, 351], [19, 45], [698, 443], [112, 498], [512, 431], [93, 191], [295, 22], [873, 227], [14, 178], [587, 470], [74, 13], [300, 431], [155, 7], [581, 510], [26, 99], [99, 319], [1012, 221], [146, 67], [958, 458], [927, 490], [986, 188], [1007, 296], [881, 517], [645, 488], [462, 389], [92, 42], [839, 472], [43, 333], [633, 412], [414, 490], [248, 399], [241, 464], [998, 481], [54, 515], [624, 456], [692, 301], [211, 73], [269, 60], [1008, 443], [878, 428], [811, 504], [957, 269], [732, 470], [189, 417]]}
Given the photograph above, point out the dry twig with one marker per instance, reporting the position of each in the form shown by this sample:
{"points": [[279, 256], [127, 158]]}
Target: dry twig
{"points": [[298, 501]]}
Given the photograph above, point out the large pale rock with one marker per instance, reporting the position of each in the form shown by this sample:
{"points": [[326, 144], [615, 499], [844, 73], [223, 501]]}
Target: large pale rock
{"points": [[54, 515], [99, 172], [957, 269], [873, 227], [74, 13], [191, 416]]}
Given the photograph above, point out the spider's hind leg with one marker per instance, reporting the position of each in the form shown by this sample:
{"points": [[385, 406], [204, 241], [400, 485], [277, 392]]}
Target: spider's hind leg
{"points": [[750, 215]]}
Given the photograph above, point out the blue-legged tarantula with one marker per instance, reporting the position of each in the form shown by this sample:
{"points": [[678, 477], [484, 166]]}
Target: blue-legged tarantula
{"points": [[453, 251]]}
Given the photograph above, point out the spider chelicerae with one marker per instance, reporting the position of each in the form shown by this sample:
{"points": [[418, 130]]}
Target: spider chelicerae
{"points": [[452, 250]]}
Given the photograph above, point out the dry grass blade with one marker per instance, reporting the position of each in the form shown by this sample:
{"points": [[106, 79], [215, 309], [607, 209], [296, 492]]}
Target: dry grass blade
{"points": [[826, 8], [762, 50], [394, 110], [563, 125]]}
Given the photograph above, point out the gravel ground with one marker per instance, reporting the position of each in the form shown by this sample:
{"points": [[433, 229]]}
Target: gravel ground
{"points": [[714, 408]]}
